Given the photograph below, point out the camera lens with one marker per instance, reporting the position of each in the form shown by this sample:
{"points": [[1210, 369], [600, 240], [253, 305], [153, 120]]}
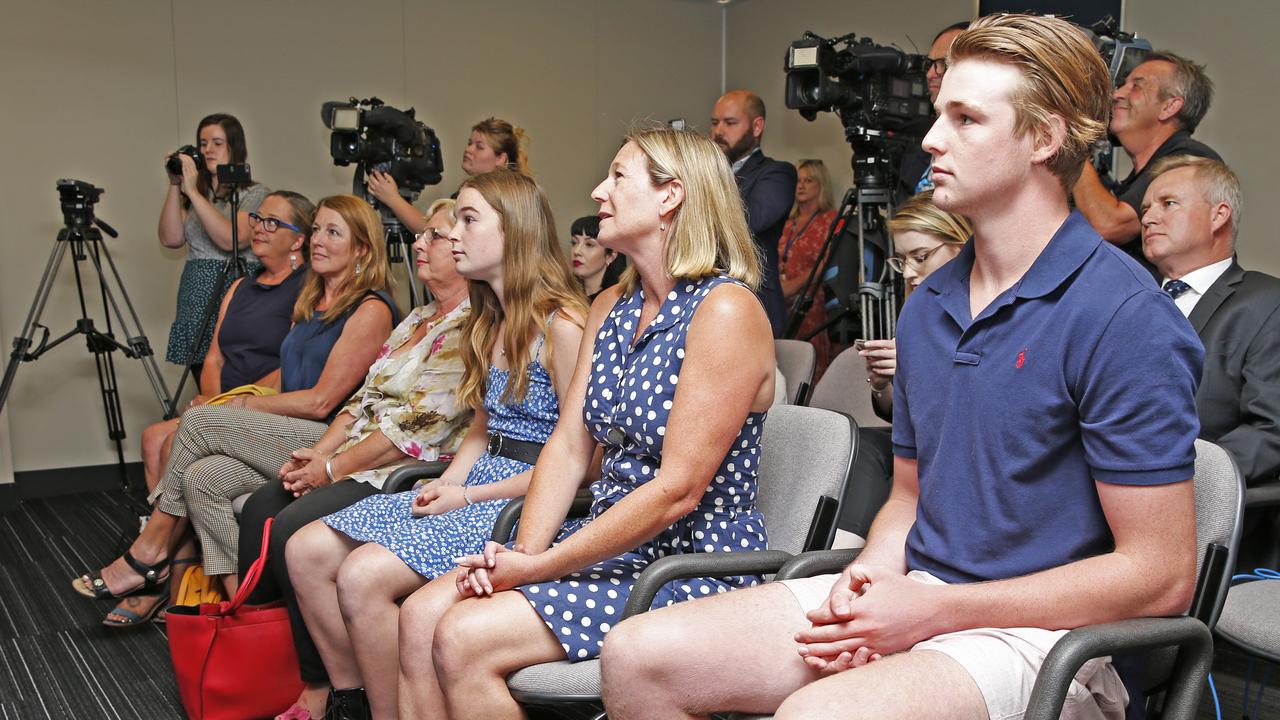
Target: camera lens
{"points": [[173, 165]]}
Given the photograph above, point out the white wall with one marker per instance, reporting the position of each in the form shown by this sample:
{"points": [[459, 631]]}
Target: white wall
{"points": [[101, 90]]}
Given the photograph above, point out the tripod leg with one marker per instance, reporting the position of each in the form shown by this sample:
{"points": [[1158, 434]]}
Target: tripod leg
{"points": [[22, 343], [139, 343]]}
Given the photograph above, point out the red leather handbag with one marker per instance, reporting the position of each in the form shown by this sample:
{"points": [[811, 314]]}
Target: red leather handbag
{"points": [[231, 661]]}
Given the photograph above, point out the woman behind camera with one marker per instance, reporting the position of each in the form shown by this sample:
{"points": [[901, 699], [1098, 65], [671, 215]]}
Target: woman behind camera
{"points": [[343, 314], [596, 266], [526, 325], [196, 213], [407, 409], [493, 143]]}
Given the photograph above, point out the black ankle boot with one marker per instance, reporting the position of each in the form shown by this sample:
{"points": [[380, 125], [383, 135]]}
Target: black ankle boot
{"points": [[351, 704]]}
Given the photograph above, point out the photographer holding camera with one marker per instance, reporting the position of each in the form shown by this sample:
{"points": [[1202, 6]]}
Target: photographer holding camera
{"points": [[196, 213]]}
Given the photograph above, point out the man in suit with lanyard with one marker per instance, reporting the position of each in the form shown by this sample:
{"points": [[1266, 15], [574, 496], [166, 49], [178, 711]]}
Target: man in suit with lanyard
{"points": [[768, 188], [1190, 216]]}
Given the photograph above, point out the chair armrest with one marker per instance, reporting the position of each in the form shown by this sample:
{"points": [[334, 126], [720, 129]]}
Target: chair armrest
{"points": [[504, 526], [1263, 495], [693, 565], [403, 478], [818, 562], [1195, 656]]}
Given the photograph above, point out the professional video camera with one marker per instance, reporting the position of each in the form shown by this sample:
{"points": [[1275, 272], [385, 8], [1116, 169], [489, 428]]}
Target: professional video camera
{"points": [[879, 92], [1121, 51], [376, 136], [77, 199], [380, 138], [882, 98]]}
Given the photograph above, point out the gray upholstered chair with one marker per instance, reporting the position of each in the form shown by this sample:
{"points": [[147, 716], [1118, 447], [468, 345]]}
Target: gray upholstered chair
{"points": [[1177, 674], [843, 388], [804, 464], [1248, 620], [797, 360]]}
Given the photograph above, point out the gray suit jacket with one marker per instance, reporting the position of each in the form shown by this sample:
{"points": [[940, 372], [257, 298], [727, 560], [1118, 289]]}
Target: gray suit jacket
{"points": [[1238, 401]]}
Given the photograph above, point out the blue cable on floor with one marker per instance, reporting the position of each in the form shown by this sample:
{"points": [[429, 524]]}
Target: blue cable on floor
{"points": [[1217, 709]]}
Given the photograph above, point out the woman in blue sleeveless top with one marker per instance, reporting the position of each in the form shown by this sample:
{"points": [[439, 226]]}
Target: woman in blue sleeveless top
{"points": [[673, 387], [351, 568], [344, 312]]}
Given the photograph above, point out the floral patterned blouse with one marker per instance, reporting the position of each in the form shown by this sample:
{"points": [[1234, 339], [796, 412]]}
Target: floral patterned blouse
{"points": [[412, 397]]}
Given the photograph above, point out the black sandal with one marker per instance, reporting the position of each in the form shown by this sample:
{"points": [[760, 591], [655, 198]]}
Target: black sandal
{"points": [[153, 577]]}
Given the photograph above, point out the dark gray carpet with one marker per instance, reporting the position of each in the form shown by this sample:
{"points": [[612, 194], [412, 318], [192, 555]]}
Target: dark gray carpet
{"points": [[57, 661]]}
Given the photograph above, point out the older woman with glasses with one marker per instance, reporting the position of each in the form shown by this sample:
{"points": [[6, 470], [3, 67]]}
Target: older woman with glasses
{"points": [[924, 239]]}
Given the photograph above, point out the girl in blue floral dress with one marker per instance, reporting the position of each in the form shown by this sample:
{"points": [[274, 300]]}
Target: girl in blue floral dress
{"points": [[350, 569], [673, 386]]}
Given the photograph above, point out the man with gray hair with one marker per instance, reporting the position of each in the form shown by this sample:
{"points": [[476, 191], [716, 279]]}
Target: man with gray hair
{"points": [[1153, 115], [1190, 217]]}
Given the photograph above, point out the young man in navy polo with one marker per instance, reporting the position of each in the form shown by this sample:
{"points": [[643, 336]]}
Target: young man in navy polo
{"points": [[1044, 424]]}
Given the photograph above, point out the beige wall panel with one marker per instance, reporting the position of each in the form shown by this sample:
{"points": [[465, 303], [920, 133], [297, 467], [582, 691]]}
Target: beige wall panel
{"points": [[90, 90]]}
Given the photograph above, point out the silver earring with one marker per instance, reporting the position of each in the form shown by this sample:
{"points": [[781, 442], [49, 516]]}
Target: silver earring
{"points": [[662, 226], [293, 261], [357, 267]]}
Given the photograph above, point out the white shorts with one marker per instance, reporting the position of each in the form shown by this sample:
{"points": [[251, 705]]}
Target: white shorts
{"points": [[1003, 662]]}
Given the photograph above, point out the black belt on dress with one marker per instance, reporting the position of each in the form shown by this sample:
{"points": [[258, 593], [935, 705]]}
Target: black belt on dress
{"points": [[519, 450]]}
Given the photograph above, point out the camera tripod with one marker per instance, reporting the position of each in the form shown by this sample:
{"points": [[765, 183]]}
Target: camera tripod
{"points": [[400, 252], [852, 260], [84, 239]]}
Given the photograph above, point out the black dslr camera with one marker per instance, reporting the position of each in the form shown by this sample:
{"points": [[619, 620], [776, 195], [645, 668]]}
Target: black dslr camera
{"points": [[77, 199], [378, 137], [173, 165]]}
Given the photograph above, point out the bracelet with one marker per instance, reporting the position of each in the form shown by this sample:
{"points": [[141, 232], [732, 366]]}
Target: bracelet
{"points": [[465, 496], [874, 391], [328, 469]]}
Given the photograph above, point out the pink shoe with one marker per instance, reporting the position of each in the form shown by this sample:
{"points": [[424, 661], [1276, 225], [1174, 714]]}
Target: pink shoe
{"points": [[296, 712]]}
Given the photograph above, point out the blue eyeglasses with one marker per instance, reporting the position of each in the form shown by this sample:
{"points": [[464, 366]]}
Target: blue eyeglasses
{"points": [[270, 224]]}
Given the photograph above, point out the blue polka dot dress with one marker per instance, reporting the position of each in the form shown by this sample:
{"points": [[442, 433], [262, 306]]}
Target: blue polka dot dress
{"points": [[430, 543], [627, 403]]}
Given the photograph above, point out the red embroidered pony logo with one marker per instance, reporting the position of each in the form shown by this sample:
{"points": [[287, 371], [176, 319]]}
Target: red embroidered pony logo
{"points": [[1022, 357]]}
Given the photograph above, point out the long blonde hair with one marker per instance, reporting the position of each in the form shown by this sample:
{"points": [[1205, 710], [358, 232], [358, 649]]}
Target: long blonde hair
{"points": [[708, 232], [369, 249], [536, 282]]}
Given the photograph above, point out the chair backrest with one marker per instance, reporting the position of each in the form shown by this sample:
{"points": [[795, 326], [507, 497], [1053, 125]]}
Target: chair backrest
{"points": [[805, 455], [1219, 515], [796, 360], [843, 388]]}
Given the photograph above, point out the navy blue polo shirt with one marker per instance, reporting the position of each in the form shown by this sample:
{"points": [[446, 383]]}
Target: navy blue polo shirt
{"points": [[1084, 370]]}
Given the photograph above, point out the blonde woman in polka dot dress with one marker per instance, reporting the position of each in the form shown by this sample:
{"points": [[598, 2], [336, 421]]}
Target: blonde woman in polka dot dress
{"points": [[672, 384]]}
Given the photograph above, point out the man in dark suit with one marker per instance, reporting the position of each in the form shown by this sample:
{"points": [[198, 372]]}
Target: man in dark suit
{"points": [[768, 188], [1189, 219]]}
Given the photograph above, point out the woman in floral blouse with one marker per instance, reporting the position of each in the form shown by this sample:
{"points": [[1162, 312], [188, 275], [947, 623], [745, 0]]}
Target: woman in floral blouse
{"points": [[406, 411]]}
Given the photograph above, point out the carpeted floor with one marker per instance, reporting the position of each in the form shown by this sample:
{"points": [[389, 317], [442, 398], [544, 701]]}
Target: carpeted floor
{"points": [[57, 661]]}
